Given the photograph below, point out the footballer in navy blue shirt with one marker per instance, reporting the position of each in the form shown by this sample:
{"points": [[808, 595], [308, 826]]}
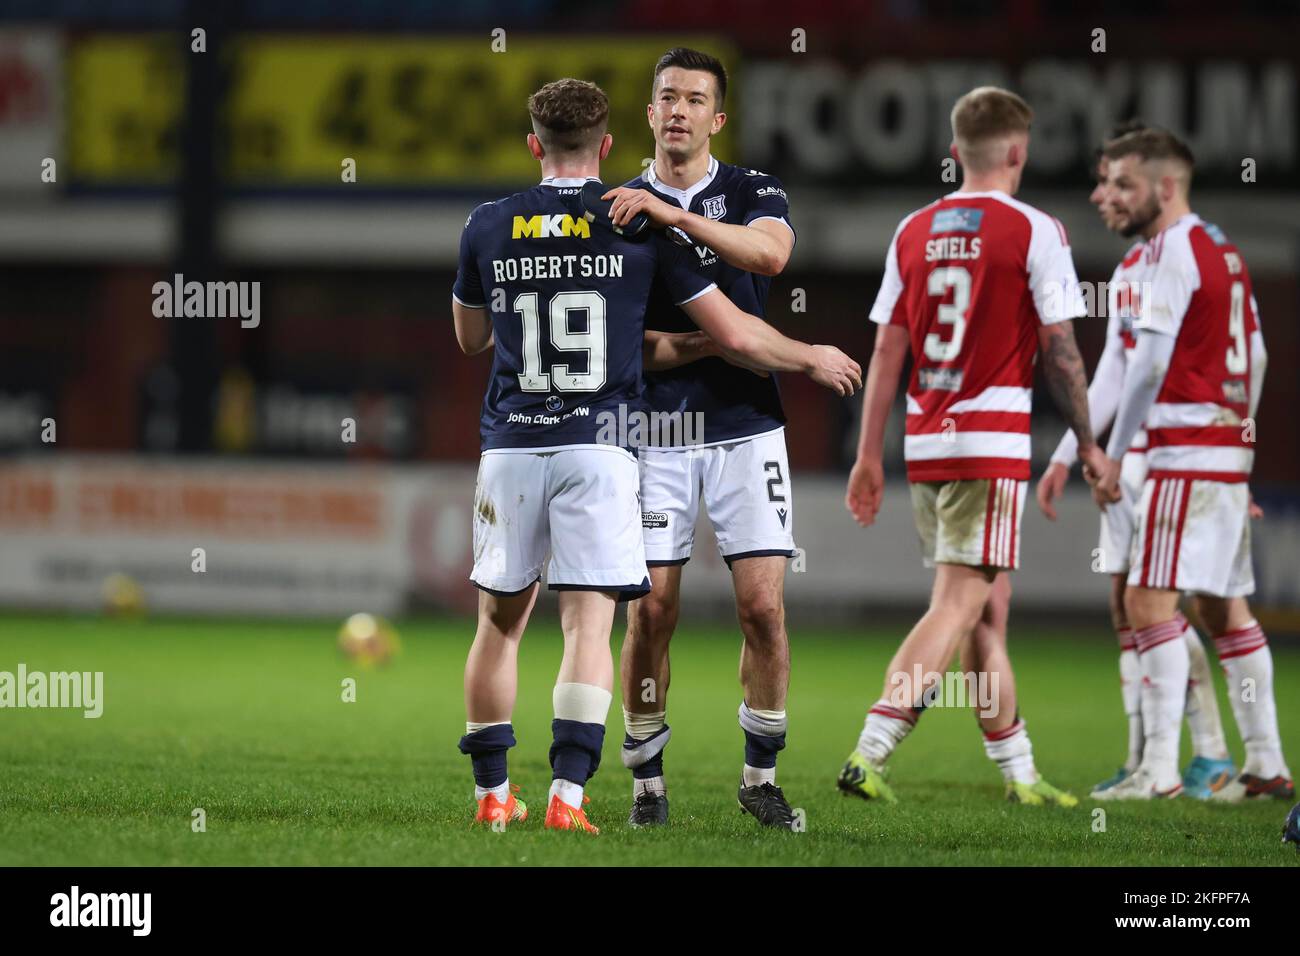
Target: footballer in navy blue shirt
{"points": [[738, 224], [561, 301]]}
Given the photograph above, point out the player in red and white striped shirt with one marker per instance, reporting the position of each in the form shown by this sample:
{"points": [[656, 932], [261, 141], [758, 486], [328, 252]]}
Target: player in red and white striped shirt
{"points": [[977, 283], [1194, 378], [1211, 766]]}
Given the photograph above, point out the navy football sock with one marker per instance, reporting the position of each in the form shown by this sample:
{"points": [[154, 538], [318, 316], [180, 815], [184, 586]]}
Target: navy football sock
{"points": [[764, 738], [575, 750], [761, 751], [487, 752]]}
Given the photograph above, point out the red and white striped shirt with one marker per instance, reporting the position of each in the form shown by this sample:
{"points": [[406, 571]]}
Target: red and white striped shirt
{"points": [[971, 277], [1200, 293]]}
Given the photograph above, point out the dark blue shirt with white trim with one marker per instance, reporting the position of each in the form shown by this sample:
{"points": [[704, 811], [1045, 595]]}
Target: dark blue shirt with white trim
{"points": [[734, 403], [568, 303]]}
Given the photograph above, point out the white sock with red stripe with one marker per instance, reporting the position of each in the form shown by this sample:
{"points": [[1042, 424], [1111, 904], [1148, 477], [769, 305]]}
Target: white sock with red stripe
{"points": [[1163, 662], [1248, 663], [885, 728], [1011, 750], [1201, 706], [1130, 687]]}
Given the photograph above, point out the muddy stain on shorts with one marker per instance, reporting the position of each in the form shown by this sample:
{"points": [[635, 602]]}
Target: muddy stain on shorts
{"points": [[961, 508]]}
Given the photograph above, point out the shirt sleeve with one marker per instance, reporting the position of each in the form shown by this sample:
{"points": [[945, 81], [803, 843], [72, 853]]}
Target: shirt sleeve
{"points": [[886, 309], [679, 271], [468, 287], [1258, 363], [1146, 373], [1052, 279], [1176, 278], [766, 199]]}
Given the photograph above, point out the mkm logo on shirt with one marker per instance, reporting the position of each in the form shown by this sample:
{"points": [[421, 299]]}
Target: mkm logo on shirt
{"points": [[549, 227]]}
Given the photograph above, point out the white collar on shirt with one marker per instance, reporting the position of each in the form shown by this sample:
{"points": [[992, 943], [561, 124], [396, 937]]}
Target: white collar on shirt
{"points": [[568, 181], [982, 194], [684, 197]]}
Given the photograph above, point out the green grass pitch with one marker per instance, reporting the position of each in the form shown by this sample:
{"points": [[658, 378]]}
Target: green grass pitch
{"points": [[245, 720]]}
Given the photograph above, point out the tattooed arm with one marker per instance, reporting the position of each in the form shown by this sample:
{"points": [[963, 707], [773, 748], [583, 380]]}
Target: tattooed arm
{"points": [[1066, 380], [1063, 369]]}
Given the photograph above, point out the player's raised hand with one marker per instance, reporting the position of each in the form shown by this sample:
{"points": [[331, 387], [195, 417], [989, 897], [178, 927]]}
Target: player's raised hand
{"points": [[834, 370], [626, 202], [866, 485], [1050, 487]]}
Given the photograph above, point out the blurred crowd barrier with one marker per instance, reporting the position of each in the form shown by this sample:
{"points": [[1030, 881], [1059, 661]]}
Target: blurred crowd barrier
{"points": [[282, 538]]}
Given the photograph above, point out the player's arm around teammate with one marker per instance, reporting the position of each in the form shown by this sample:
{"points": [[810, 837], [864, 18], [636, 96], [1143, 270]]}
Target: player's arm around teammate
{"points": [[749, 341], [665, 350], [763, 247]]}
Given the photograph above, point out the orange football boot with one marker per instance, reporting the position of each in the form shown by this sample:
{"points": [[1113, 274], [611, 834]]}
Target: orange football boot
{"points": [[491, 810], [561, 816]]}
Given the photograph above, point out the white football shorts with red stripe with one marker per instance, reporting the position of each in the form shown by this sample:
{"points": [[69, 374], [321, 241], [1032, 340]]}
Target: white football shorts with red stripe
{"points": [[1193, 535], [974, 521], [1118, 519]]}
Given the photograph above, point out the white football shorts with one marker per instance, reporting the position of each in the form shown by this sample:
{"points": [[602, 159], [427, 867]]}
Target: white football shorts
{"points": [[1115, 543], [745, 487], [974, 521], [1193, 535], [581, 505]]}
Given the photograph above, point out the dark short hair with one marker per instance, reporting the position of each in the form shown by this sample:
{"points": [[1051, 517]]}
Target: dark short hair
{"points": [[1122, 128], [688, 59], [569, 116], [1150, 143]]}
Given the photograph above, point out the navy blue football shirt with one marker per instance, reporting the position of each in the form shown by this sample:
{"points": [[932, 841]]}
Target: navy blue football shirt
{"points": [[568, 305], [734, 402]]}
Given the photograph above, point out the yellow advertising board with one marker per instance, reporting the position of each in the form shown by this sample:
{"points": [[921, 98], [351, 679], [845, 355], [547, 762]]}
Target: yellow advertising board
{"points": [[438, 113], [125, 94]]}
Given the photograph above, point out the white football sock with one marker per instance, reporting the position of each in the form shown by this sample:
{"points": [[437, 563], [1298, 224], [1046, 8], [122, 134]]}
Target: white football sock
{"points": [[1202, 708], [755, 776], [643, 726], [585, 703], [1130, 686], [648, 785], [1248, 662], [502, 793], [885, 728], [1012, 751], [473, 727], [1162, 657], [568, 791]]}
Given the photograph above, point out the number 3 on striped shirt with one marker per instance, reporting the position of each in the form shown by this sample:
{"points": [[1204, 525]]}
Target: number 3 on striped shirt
{"points": [[951, 313]]}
